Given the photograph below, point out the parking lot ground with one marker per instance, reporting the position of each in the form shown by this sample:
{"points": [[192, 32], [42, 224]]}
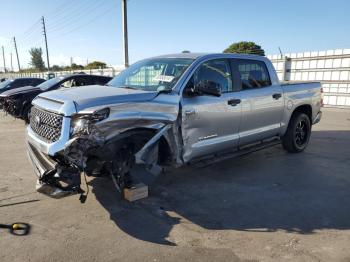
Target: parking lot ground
{"points": [[266, 206]]}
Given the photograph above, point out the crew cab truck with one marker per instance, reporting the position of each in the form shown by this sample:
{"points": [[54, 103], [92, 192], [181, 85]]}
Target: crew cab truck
{"points": [[164, 111]]}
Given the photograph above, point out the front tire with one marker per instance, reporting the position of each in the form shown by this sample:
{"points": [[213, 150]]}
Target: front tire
{"points": [[298, 133], [26, 114]]}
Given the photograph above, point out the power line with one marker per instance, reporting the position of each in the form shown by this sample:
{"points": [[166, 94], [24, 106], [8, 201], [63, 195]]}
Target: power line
{"points": [[95, 18], [30, 29], [62, 21], [62, 17], [76, 18]]}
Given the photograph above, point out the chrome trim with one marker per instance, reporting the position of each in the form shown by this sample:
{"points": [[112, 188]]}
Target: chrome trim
{"points": [[317, 118], [66, 109], [50, 148], [38, 168]]}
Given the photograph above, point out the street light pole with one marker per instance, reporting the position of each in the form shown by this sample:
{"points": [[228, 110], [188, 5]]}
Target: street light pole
{"points": [[125, 33]]}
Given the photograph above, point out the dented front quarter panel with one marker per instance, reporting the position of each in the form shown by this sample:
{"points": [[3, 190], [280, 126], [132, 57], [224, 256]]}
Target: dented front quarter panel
{"points": [[159, 115], [153, 114]]}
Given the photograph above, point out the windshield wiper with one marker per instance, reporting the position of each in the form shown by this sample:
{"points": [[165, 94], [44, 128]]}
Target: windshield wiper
{"points": [[128, 87]]}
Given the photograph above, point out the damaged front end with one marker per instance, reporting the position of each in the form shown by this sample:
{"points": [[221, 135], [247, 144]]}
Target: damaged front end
{"points": [[60, 175], [106, 142], [11, 106], [15, 106], [54, 179]]}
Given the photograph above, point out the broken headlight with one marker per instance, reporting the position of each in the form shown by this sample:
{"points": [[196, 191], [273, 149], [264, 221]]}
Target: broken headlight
{"points": [[81, 124]]}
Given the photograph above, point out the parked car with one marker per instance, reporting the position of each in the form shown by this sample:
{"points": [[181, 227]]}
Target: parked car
{"points": [[18, 102], [9, 84], [167, 111], [3, 79]]}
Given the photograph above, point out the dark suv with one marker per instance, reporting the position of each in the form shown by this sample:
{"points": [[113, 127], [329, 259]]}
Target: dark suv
{"points": [[17, 102], [9, 84]]}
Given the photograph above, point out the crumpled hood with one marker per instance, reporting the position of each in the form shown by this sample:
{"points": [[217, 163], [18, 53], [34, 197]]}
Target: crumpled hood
{"points": [[92, 96], [20, 90]]}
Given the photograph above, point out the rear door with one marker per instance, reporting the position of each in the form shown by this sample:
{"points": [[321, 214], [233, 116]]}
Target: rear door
{"points": [[262, 102], [210, 124]]}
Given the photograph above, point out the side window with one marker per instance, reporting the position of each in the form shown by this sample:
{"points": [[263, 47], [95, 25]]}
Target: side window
{"points": [[217, 71], [253, 74], [19, 83], [81, 81], [67, 84]]}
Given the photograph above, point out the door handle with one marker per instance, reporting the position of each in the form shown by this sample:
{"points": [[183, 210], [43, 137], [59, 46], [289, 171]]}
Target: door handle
{"points": [[277, 96], [234, 102], [190, 112]]}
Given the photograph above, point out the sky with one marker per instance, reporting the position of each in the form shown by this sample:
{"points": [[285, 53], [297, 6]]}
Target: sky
{"points": [[88, 30]]}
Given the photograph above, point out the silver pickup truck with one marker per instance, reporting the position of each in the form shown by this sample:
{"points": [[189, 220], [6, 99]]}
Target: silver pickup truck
{"points": [[166, 111]]}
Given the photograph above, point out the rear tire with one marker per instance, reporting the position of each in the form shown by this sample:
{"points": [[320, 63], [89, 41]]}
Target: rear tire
{"points": [[298, 133]]}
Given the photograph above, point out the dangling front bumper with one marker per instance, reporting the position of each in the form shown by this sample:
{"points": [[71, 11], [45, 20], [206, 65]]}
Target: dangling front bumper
{"points": [[53, 180]]}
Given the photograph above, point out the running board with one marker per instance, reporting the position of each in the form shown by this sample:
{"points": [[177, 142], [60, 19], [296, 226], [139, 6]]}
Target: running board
{"points": [[240, 152]]}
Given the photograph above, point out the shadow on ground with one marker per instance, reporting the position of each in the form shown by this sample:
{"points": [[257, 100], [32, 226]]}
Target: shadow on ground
{"points": [[266, 191]]}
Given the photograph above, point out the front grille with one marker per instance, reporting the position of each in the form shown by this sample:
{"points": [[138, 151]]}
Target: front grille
{"points": [[46, 124]]}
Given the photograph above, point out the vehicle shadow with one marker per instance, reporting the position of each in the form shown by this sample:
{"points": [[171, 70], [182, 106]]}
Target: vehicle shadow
{"points": [[265, 191]]}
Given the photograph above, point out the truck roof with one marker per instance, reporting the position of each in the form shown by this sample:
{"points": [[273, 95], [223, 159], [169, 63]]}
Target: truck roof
{"points": [[208, 55]]}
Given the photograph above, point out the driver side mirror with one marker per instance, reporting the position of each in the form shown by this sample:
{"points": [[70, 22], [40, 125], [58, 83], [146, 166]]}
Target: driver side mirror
{"points": [[207, 87]]}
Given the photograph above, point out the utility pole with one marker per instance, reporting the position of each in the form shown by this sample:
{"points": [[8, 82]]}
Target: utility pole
{"points": [[19, 66], [3, 57], [11, 62], [125, 33], [47, 50]]}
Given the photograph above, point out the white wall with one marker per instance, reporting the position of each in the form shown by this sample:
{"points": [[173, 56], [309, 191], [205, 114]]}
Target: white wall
{"points": [[331, 67]]}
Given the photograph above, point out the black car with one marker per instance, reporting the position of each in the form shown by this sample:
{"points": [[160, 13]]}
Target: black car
{"points": [[18, 102], [19, 82]]}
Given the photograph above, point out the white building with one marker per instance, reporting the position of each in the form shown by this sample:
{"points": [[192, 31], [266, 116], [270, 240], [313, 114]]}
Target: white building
{"points": [[331, 67]]}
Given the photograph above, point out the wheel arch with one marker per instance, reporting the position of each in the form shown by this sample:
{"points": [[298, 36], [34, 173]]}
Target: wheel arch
{"points": [[306, 109], [136, 139]]}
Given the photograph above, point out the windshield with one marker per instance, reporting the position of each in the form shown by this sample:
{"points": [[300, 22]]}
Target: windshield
{"points": [[156, 74], [49, 83], [5, 83]]}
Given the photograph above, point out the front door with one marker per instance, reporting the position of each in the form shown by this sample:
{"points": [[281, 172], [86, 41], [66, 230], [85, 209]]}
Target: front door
{"points": [[210, 124]]}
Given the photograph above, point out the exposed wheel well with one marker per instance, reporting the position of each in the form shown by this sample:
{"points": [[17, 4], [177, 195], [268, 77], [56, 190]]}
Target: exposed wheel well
{"points": [[134, 140]]}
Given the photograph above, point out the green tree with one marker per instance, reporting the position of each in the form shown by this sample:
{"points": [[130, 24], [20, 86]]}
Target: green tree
{"points": [[95, 65], [186, 51], [74, 66], [245, 48], [36, 58], [56, 68]]}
